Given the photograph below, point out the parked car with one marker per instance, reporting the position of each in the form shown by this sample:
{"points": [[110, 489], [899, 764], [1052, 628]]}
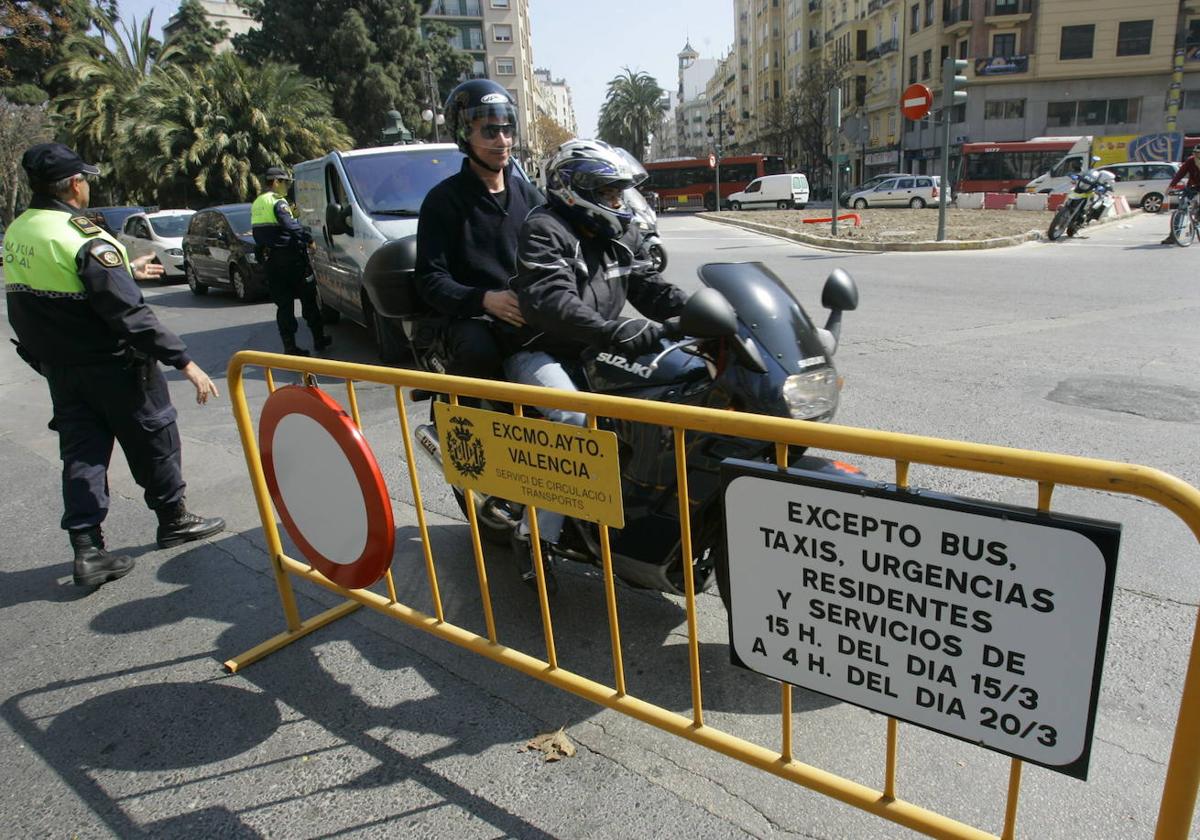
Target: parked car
{"points": [[112, 218], [1143, 183], [914, 191], [782, 192], [869, 184], [218, 250], [160, 234]]}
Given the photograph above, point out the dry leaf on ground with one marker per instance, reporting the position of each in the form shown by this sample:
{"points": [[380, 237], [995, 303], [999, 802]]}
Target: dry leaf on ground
{"points": [[554, 745]]}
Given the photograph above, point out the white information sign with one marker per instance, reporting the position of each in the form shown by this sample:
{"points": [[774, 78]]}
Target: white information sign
{"points": [[984, 622]]}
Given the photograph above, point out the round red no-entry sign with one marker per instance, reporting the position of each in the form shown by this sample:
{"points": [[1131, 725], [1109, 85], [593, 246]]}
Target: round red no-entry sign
{"points": [[712, 161], [916, 101]]}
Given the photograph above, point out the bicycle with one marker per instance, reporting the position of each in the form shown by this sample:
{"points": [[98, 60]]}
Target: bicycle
{"points": [[1186, 218]]}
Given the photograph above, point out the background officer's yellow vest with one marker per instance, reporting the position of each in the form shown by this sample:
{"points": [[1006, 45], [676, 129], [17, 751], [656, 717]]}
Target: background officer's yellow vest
{"points": [[40, 248], [262, 211]]}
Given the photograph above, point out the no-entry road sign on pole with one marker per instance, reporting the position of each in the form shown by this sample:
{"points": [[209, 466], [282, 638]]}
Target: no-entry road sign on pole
{"points": [[916, 101], [712, 161]]}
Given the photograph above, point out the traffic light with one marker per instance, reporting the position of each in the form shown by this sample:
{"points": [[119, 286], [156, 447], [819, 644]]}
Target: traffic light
{"points": [[953, 85]]}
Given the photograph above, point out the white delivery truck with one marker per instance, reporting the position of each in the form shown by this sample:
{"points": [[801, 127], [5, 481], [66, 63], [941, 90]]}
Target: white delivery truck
{"points": [[784, 191], [1076, 160], [361, 207]]}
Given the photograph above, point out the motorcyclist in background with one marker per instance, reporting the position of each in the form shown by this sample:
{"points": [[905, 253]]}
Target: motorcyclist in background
{"points": [[1191, 171], [579, 261]]}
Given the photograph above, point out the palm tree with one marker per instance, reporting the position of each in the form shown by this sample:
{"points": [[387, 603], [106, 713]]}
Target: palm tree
{"points": [[102, 74], [632, 110], [218, 127]]}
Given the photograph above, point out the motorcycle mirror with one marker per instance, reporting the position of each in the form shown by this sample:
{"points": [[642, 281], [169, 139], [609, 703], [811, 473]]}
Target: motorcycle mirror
{"points": [[840, 292], [707, 314]]}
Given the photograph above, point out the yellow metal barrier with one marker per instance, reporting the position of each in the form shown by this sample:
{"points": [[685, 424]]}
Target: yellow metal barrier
{"points": [[1046, 469]]}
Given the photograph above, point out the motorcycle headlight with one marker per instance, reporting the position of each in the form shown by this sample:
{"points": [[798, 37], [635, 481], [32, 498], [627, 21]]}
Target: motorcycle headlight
{"points": [[174, 252], [251, 257], [811, 396]]}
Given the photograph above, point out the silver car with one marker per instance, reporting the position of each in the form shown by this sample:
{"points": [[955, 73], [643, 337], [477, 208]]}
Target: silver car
{"points": [[160, 234]]}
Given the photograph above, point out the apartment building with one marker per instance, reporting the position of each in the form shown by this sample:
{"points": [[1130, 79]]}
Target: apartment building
{"points": [[228, 12], [1055, 67], [554, 99], [496, 34]]}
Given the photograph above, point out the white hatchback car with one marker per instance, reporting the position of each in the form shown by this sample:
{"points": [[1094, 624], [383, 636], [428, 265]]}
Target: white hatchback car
{"points": [[159, 233], [914, 191]]}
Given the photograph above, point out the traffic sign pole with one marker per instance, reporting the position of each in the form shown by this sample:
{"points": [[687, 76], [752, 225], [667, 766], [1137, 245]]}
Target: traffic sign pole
{"points": [[835, 120]]}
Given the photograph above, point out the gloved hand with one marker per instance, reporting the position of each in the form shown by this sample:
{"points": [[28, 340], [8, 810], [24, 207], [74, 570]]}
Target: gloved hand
{"points": [[634, 337]]}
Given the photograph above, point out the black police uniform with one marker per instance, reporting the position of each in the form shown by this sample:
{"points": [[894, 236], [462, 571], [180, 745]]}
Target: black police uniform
{"points": [[466, 247], [99, 351], [283, 243]]}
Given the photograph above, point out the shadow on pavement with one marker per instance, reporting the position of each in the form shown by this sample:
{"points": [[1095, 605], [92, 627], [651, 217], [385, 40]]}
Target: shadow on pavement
{"points": [[145, 721]]}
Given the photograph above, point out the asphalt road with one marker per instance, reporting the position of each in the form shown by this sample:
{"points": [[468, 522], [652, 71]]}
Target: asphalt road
{"points": [[117, 720]]}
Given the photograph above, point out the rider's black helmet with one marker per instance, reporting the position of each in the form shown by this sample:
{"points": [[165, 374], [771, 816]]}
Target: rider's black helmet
{"points": [[473, 99]]}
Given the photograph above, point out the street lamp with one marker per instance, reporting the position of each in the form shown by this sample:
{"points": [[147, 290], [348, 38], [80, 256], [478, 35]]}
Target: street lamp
{"points": [[428, 116], [717, 141]]}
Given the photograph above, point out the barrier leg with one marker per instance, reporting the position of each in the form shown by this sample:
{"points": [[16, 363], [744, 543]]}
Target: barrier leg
{"points": [[288, 636]]}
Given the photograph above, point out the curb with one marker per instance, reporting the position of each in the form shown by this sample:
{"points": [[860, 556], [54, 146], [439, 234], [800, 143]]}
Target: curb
{"points": [[830, 244]]}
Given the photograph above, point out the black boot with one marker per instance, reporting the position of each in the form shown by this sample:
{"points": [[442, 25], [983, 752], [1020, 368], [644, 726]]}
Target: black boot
{"points": [[322, 341], [94, 565], [292, 349], [522, 553], [176, 524]]}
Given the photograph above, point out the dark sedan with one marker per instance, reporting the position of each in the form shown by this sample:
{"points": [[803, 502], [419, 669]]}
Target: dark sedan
{"points": [[218, 250]]}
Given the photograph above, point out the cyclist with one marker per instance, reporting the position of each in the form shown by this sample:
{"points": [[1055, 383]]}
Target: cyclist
{"points": [[1191, 171]]}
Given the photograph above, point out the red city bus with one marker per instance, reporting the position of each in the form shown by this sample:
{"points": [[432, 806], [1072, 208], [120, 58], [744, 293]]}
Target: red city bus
{"points": [[687, 183], [1008, 167]]}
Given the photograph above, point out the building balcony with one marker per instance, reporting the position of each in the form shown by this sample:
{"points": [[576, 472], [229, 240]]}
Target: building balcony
{"points": [[1008, 11], [1001, 65], [889, 46], [957, 17], [875, 5]]}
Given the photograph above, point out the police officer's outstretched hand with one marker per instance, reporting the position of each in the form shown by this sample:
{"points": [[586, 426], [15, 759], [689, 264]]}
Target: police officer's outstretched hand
{"points": [[205, 387], [143, 268]]}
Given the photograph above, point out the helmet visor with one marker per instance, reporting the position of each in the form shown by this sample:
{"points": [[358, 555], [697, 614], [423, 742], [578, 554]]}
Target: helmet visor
{"points": [[502, 112]]}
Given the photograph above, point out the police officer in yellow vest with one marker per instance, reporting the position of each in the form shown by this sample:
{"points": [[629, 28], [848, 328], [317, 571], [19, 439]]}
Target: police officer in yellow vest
{"points": [[81, 321], [282, 242]]}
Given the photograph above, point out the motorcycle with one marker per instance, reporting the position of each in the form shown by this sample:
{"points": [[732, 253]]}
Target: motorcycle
{"points": [[1090, 198], [647, 221], [741, 343]]}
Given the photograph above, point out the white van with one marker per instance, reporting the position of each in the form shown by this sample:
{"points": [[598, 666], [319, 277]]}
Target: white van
{"points": [[1058, 179], [777, 191], [361, 207]]}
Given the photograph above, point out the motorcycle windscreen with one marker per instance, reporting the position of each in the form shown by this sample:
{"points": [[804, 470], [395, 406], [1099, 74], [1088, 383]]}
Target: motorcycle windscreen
{"points": [[769, 312]]}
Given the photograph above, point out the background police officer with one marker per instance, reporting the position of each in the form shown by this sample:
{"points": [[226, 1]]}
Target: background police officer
{"points": [[283, 243], [82, 322]]}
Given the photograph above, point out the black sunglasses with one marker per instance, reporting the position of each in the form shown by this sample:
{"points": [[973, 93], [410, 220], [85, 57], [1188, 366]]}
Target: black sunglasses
{"points": [[491, 132]]}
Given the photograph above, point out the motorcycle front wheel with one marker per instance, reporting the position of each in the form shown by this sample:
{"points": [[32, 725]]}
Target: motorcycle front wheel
{"points": [[658, 257], [1181, 229], [1059, 225]]}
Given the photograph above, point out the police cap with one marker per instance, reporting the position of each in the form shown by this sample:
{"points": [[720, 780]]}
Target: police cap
{"points": [[275, 173], [51, 162]]}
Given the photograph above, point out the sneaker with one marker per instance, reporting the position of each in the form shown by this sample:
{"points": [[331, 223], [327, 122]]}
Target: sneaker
{"points": [[522, 554]]}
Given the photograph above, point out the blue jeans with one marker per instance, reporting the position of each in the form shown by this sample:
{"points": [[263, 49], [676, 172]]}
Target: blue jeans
{"points": [[533, 367]]}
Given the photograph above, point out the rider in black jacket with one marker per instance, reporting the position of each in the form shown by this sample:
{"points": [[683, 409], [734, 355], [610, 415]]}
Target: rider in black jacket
{"points": [[580, 260], [467, 235]]}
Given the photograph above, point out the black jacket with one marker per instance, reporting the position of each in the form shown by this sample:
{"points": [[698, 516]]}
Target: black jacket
{"points": [[571, 287], [98, 327], [467, 240]]}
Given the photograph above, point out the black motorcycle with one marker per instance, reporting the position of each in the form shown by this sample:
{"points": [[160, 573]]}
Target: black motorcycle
{"points": [[743, 343]]}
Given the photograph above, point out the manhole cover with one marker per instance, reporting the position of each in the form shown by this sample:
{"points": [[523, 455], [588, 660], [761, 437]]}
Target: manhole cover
{"points": [[1130, 395]]}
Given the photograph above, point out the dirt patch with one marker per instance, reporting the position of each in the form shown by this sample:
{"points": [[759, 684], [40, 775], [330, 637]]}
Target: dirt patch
{"points": [[902, 224]]}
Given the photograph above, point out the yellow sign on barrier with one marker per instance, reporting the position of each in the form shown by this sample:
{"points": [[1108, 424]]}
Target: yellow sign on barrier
{"points": [[553, 466]]}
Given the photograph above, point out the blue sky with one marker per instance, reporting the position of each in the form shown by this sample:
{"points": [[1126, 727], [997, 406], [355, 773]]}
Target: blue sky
{"points": [[590, 43]]}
